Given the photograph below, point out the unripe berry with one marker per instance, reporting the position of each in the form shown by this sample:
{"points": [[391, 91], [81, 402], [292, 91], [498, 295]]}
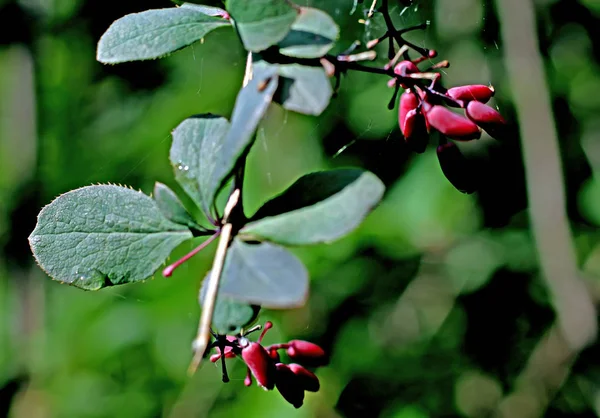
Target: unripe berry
{"points": [[408, 102]]}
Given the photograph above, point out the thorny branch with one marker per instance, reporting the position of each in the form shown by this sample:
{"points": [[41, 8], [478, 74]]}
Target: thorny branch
{"points": [[234, 203]]}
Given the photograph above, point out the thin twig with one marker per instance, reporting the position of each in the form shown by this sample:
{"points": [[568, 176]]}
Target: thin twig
{"points": [[201, 342], [210, 299]]}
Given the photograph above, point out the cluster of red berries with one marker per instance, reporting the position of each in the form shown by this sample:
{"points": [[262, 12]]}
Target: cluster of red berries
{"points": [[264, 363], [424, 107]]}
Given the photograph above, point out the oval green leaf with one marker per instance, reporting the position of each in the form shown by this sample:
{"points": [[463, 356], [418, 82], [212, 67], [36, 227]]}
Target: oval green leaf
{"points": [[171, 207], [302, 88], [318, 207], [154, 33], [250, 106], [312, 35], [263, 274], [100, 236], [262, 23]]}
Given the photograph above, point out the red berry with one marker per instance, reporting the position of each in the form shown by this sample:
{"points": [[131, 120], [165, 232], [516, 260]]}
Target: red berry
{"points": [[488, 118], [458, 170], [308, 379], [306, 352], [415, 132], [477, 92], [289, 385], [451, 124], [274, 355], [259, 362], [408, 102]]}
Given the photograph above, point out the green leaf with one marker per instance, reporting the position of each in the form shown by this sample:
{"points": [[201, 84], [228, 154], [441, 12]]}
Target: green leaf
{"points": [[171, 207], [302, 89], [313, 34], [100, 236], [261, 23], [155, 33], [251, 104], [230, 316], [318, 207], [264, 274], [207, 10], [196, 154]]}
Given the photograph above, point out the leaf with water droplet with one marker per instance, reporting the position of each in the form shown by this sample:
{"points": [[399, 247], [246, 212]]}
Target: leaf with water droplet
{"points": [[195, 154], [206, 148], [100, 236]]}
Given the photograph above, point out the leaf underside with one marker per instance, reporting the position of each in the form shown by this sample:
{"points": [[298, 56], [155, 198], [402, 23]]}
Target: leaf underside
{"points": [[264, 274]]}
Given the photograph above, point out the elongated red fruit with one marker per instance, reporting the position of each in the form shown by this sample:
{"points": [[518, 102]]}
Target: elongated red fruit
{"points": [[451, 124], [408, 102], [459, 171], [289, 385], [488, 118], [259, 362], [477, 92], [415, 131], [307, 378], [306, 352]]}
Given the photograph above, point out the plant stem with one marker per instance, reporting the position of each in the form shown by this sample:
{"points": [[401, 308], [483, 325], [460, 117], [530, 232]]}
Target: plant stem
{"points": [[208, 306], [576, 314], [397, 34], [201, 342]]}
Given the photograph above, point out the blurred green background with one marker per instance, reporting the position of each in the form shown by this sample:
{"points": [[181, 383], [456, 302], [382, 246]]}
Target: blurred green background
{"points": [[430, 309]]}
